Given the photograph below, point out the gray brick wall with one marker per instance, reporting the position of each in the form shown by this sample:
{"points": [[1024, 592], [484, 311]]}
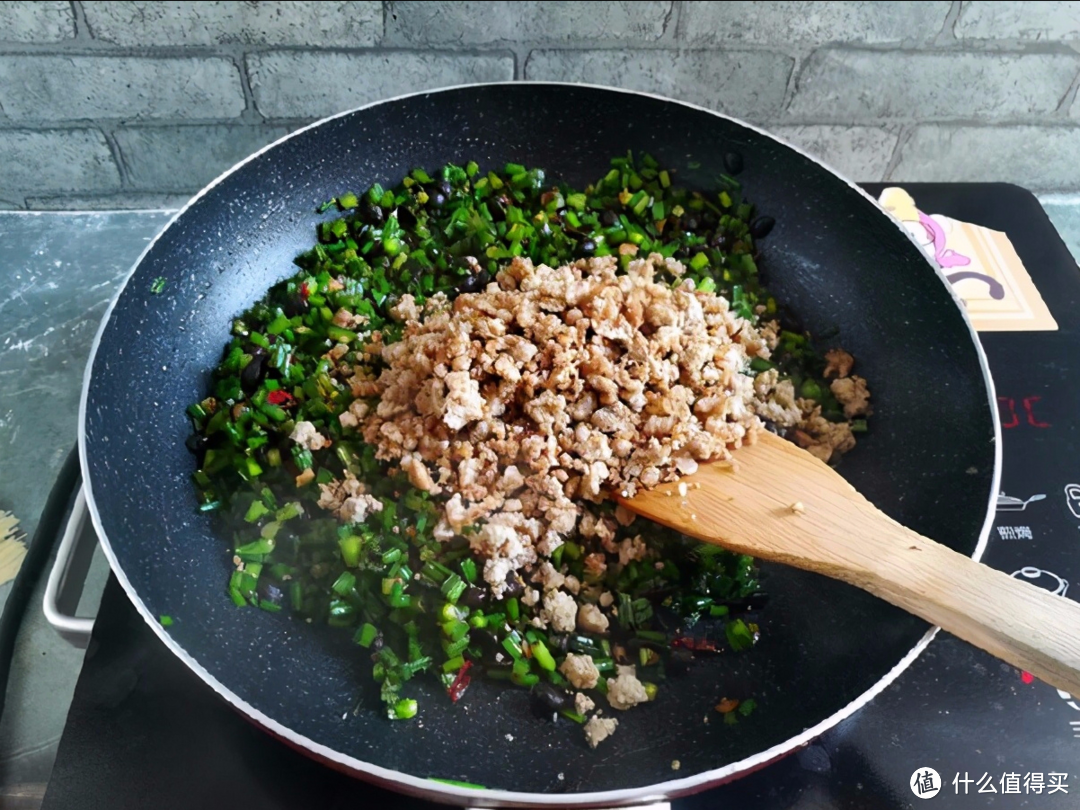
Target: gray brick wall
{"points": [[309, 84], [133, 103]]}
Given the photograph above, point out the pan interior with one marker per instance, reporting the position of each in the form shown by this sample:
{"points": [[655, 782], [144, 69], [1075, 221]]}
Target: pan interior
{"points": [[833, 257]]}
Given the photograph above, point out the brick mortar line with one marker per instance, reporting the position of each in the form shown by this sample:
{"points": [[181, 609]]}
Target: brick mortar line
{"points": [[519, 64], [117, 202], [37, 125], [1017, 47], [1068, 99], [898, 149], [226, 50], [251, 112], [40, 125], [1055, 122], [118, 158], [105, 195], [1014, 47], [82, 27], [84, 45], [669, 30], [947, 35], [385, 11], [29, 194], [156, 123], [792, 88], [299, 121], [391, 30]]}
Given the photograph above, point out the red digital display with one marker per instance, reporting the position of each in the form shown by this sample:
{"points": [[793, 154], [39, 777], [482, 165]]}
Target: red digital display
{"points": [[1011, 417]]}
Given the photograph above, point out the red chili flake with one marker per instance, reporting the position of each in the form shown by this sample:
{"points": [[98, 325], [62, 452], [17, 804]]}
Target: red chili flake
{"points": [[690, 643], [461, 682], [727, 705], [280, 397], [304, 291]]}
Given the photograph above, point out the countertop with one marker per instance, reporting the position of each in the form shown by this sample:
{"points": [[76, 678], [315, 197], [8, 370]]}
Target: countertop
{"points": [[61, 270]]}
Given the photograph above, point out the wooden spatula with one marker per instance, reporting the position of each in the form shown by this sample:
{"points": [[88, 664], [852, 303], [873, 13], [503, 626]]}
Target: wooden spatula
{"points": [[785, 505]]}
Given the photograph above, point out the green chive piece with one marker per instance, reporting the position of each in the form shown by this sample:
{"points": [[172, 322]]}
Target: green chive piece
{"points": [[365, 636], [454, 664], [404, 709], [543, 656], [468, 569], [255, 511]]}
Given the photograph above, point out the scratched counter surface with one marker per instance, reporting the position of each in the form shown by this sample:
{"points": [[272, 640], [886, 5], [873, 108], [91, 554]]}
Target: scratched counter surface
{"points": [[956, 710], [57, 275]]}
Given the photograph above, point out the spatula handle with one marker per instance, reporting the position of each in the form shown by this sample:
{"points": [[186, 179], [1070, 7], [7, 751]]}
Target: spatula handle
{"points": [[783, 504], [1013, 620]]}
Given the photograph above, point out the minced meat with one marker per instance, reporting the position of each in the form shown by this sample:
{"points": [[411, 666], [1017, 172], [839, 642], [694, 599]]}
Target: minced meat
{"points": [[583, 703], [591, 620], [599, 729], [529, 401], [580, 671], [626, 691], [552, 387]]}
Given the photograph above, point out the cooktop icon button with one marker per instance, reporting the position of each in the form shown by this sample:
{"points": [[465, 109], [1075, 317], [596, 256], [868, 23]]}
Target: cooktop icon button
{"points": [[1047, 580], [1072, 498], [1007, 503]]}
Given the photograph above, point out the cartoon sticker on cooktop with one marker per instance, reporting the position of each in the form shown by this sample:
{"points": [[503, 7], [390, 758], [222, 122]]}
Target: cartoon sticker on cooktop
{"points": [[1007, 503], [981, 265]]}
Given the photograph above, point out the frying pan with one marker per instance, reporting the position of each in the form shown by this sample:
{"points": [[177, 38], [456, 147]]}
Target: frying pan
{"points": [[931, 459]]}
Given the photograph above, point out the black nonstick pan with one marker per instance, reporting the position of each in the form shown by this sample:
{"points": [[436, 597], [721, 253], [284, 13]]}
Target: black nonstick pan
{"points": [[930, 460]]}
